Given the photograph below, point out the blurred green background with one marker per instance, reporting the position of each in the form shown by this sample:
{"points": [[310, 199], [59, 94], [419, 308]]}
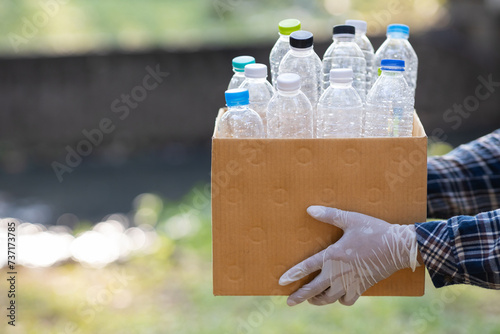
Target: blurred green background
{"points": [[83, 26], [142, 264]]}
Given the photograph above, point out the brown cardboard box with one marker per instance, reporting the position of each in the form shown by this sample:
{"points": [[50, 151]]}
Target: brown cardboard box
{"points": [[262, 187]]}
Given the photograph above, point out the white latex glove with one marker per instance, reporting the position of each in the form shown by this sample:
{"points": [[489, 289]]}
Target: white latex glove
{"points": [[369, 251]]}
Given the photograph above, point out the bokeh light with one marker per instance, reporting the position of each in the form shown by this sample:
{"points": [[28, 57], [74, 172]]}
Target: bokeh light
{"points": [[182, 225], [337, 7], [106, 242], [43, 249], [148, 207]]}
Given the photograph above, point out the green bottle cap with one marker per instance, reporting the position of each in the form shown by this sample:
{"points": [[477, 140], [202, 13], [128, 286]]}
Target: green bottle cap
{"points": [[379, 71], [286, 27]]}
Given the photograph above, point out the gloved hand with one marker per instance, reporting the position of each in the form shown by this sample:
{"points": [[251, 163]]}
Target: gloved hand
{"points": [[369, 251]]}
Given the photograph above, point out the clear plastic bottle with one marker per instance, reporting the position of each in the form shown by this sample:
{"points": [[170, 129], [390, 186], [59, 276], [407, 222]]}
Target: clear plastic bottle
{"points": [[289, 113], [239, 121], [279, 50], [239, 64], [345, 53], [366, 46], [259, 88], [396, 46], [390, 103], [340, 109], [302, 60]]}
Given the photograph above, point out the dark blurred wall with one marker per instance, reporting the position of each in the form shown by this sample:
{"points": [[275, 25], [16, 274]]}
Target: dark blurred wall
{"points": [[47, 102]]}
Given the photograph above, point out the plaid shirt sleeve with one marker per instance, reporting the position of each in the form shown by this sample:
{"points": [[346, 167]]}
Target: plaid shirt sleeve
{"points": [[465, 181], [464, 249]]}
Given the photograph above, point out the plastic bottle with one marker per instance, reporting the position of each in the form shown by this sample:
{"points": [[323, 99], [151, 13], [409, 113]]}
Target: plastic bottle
{"points": [[239, 121], [340, 108], [259, 88], [390, 103], [302, 60], [396, 46], [289, 113], [239, 64], [366, 46], [345, 53], [279, 50]]}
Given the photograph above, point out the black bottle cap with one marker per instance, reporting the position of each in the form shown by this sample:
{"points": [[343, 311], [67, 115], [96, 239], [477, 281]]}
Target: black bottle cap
{"points": [[344, 29], [301, 39]]}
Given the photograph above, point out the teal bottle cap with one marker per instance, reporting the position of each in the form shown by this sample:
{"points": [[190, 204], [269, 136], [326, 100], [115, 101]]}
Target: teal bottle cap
{"points": [[240, 62]]}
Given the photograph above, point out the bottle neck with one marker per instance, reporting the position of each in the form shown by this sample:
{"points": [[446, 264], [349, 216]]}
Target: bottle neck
{"points": [[284, 38], [342, 85], [389, 73], [238, 107], [288, 92], [397, 35], [346, 38], [301, 52], [256, 80], [239, 74]]}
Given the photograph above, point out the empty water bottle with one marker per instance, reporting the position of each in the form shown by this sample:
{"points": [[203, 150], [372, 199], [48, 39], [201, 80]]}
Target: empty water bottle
{"points": [[340, 109], [289, 113], [302, 60], [239, 64], [279, 50], [239, 121], [345, 53], [259, 88], [366, 46], [390, 103], [396, 46]]}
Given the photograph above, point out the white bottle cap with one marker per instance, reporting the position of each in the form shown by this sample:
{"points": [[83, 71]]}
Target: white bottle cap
{"points": [[358, 24], [288, 82], [341, 75], [256, 71]]}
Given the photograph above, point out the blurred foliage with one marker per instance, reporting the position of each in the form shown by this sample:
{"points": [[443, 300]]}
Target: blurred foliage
{"points": [[62, 26], [436, 148]]}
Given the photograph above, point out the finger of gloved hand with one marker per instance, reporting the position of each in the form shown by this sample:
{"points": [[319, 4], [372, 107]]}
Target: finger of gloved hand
{"points": [[328, 296], [308, 290], [344, 300], [328, 215], [351, 294], [302, 269]]}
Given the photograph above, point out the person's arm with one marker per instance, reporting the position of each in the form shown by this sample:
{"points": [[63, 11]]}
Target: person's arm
{"points": [[465, 181], [462, 250]]}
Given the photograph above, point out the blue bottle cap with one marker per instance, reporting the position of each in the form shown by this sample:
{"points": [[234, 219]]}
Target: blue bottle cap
{"points": [[392, 65], [237, 97], [398, 28], [240, 62]]}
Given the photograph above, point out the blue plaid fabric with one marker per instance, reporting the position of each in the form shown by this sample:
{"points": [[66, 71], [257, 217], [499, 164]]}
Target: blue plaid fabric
{"points": [[465, 183]]}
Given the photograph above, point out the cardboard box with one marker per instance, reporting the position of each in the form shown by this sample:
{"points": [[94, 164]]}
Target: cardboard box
{"points": [[262, 187]]}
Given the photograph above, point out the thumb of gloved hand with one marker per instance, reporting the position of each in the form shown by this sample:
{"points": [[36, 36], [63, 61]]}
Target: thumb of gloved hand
{"points": [[369, 251]]}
